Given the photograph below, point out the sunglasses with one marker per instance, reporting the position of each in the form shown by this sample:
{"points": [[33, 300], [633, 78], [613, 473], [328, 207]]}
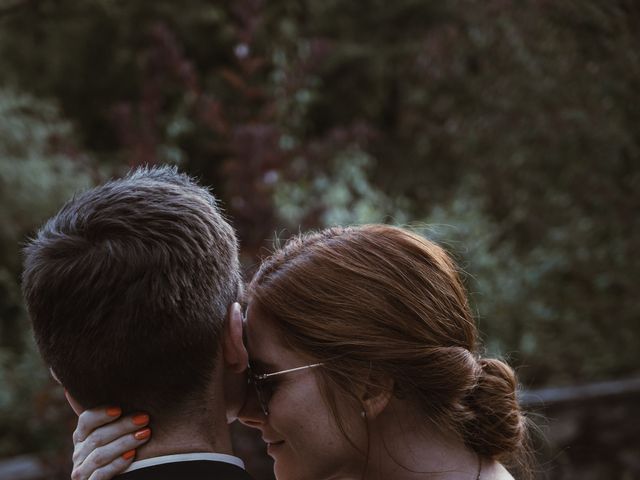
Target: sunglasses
{"points": [[264, 384]]}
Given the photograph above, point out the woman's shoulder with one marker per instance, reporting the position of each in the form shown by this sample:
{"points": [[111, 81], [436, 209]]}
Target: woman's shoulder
{"points": [[492, 470]]}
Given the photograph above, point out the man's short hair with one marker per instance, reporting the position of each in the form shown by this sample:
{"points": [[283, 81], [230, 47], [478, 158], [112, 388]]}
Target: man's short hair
{"points": [[128, 287]]}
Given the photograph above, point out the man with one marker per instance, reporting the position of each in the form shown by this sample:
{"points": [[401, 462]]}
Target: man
{"points": [[131, 291]]}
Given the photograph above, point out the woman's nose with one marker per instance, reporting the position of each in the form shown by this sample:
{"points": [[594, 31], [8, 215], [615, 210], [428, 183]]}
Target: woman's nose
{"points": [[251, 413]]}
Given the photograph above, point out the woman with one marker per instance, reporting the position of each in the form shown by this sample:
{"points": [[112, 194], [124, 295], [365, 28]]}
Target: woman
{"points": [[366, 364]]}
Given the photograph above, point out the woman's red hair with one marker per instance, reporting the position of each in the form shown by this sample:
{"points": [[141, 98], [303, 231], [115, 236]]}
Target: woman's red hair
{"points": [[378, 301]]}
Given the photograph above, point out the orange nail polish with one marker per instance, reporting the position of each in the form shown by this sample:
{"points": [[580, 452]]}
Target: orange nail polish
{"points": [[114, 411], [140, 419], [129, 455], [142, 434]]}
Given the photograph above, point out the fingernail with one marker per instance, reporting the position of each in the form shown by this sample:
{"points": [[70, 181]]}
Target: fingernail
{"points": [[114, 411], [140, 419], [142, 434], [129, 455]]}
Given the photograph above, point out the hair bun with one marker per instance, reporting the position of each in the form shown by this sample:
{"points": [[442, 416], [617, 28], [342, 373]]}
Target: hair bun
{"points": [[497, 426]]}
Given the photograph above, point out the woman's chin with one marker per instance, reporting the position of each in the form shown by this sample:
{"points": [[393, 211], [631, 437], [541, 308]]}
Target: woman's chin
{"points": [[284, 471]]}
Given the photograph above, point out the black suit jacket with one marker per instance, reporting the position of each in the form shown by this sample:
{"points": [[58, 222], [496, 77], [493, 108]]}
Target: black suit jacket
{"points": [[192, 470]]}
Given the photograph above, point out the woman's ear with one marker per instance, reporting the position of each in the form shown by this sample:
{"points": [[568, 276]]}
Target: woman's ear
{"points": [[376, 396]]}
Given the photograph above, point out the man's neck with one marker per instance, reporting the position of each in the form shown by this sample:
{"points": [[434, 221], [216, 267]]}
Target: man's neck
{"points": [[187, 438]]}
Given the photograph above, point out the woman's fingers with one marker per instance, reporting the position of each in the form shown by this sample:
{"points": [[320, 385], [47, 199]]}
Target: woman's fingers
{"points": [[105, 442], [109, 460], [109, 471], [106, 434], [89, 420]]}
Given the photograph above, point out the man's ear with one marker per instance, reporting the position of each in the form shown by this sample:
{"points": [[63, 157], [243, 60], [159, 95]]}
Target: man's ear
{"points": [[72, 401], [235, 353], [376, 396], [235, 359]]}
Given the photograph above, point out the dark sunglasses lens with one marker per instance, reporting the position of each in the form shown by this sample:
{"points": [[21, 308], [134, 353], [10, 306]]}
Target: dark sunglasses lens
{"points": [[263, 397], [261, 392]]}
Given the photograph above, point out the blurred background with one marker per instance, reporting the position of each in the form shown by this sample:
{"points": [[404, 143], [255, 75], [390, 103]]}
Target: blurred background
{"points": [[508, 131]]}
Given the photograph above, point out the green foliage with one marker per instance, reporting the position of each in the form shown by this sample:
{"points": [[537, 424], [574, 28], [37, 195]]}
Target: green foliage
{"points": [[36, 177], [515, 124], [545, 306], [96, 55], [511, 128], [343, 195]]}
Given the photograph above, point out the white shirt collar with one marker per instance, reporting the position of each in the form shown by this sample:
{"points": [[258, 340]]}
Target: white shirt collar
{"points": [[186, 457]]}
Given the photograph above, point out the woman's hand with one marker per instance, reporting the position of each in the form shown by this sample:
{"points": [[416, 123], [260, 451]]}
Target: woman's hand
{"points": [[105, 443]]}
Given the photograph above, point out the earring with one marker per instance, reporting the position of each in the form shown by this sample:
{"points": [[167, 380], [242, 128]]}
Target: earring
{"points": [[363, 414]]}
